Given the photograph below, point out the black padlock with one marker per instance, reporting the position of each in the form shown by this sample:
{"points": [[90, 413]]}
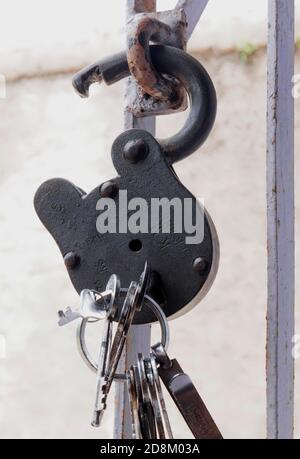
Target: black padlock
{"points": [[182, 272]]}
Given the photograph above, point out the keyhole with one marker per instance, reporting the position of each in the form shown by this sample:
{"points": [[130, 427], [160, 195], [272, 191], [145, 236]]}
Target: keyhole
{"points": [[135, 245]]}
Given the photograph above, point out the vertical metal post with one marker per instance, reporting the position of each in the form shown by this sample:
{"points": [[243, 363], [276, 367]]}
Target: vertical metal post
{"points": [[139, 335], [193, 10], [280, 199]]}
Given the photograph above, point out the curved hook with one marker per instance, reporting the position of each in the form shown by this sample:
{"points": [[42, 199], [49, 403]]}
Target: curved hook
{"points": [[193, 76]]}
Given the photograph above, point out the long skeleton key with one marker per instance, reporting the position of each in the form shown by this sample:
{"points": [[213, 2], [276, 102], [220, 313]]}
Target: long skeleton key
{"points": [[101, 396], [156, 380], [145, 409], [120, 335], [133, 403], [186, 397], [104, 354], [147, 405], [133, 302], [154, 398]]}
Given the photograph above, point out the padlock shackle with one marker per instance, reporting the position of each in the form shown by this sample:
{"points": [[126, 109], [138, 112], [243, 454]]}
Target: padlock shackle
{"points": [[193, 76]]}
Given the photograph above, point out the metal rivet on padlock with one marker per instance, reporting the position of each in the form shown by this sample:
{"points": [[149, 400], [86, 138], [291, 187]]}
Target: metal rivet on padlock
{"points": [[136, 150], [108, 190], [200, 265], [71, 260]]}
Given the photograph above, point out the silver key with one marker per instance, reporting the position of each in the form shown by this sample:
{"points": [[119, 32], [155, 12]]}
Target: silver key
{"points": [[67, 316], [145, 406], [101, 395], [133, 302], [104, 353], [133, 404], [159, 393], [81, 331], [155, 401], [90, 307], [124, 323]]}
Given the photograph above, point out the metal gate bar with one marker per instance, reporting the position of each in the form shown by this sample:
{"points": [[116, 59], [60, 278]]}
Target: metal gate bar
{"points": [[139, 336], [280, 203]]}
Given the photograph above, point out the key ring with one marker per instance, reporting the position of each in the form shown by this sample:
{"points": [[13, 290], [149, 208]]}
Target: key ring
{"points": [[149, 302]]}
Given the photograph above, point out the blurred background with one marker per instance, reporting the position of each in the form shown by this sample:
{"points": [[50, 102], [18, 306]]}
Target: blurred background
{"points": [[47, 131]]}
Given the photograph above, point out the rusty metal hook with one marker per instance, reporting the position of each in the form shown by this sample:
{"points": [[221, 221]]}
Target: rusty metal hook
{"points": [[196, 81]]}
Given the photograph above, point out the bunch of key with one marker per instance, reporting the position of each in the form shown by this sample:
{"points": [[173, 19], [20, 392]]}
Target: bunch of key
{"points": [[147, 405]]}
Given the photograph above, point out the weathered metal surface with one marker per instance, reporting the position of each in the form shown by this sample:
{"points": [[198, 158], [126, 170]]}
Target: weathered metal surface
{"points": [[193, 10], [71, 217], [140, 6], [280, 195], [143, 28], [187, 12], [189, 72], [169, 28], [110, 70]]}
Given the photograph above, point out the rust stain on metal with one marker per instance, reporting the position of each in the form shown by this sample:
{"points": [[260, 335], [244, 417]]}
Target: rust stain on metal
{"points": [[142, 29], [166, 28], [140, 6]]}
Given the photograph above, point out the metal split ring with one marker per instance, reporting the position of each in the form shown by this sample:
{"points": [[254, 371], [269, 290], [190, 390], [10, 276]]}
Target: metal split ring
{"points": [[150, 303]]}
